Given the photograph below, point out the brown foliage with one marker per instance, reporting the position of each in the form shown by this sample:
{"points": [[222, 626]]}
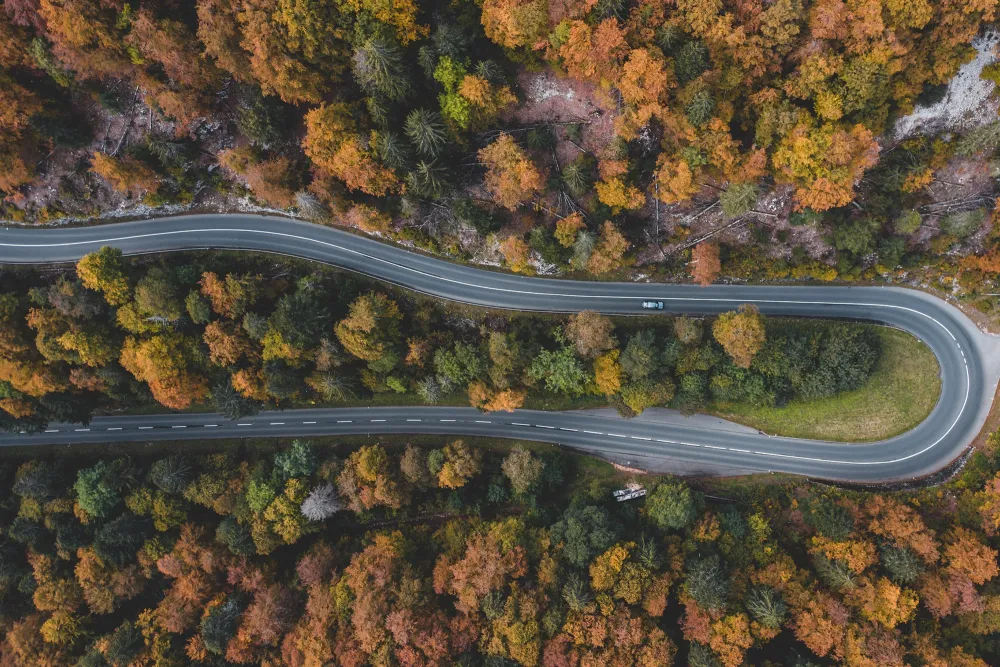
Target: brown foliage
{"points": [[273, 182], [705, 264], [226, 343], [164, 363], [609, 251], [333, 143], [516, 253], [485, 566], [125, 174], [511, 177], [591, 333]]}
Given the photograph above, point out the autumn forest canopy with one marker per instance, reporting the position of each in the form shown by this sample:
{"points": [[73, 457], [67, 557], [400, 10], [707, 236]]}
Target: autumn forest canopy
{"points": [[456, 553], [238, 333], [689, 139], [416, 119]]}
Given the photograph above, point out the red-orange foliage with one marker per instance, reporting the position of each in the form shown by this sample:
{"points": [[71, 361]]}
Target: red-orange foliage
{"points": [[511, 177], [196, 566], [968, 557], [174, 47], [609, 251], [333, 143], [163, 362], [272, 182], [486, 565], [892, 519], [820, 623], [705, 263], [230, 296], [616, 639], [594, 54], [226, 343]]}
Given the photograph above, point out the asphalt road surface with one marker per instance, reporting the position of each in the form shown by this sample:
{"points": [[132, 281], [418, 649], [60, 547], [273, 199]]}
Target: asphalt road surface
{"points": [[969, 373]]}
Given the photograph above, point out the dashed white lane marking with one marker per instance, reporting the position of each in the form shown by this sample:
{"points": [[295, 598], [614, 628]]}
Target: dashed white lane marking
{"points": [[53, 430], [544, 426], [377, 420], [713, 447], [617, 435], [344, 421], [209, 425], [635, 437], [146, 428], [516, 424], [446, 420], [375, 258], [563, 428], [116, 428], [594, 432], [308, 422], [81, 429], [277, 423], [741, 451], [482, 421], [178, 426], [244, 424], [414, 420]]}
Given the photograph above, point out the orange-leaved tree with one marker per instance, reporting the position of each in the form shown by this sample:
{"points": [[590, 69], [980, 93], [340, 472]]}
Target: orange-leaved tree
{"points": [[741, 334], [511, 177], [334, 144], [705, 264], [125, 174]]}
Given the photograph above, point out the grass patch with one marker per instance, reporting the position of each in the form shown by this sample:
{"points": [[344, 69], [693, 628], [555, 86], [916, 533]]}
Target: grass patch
{"points": [[898, 396]]}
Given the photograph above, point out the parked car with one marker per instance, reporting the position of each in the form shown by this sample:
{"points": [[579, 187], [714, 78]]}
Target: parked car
{"points": [[652, 305]]}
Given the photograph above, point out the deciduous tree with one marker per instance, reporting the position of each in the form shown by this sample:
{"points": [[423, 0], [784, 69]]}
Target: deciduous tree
{"points": [[741, 334], [511, 177], [591, 333], [705, 264]]}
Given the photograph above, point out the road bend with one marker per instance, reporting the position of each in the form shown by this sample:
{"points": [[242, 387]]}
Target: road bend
{"points": [[969, 371]]}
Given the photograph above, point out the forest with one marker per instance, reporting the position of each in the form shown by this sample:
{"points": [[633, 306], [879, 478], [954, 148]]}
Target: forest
{"points": [[542, 135], [478, 554], [237, 333]]}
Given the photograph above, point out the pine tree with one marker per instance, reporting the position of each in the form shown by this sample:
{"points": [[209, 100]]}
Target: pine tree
{"points": [[378, 67], [427, 131]]}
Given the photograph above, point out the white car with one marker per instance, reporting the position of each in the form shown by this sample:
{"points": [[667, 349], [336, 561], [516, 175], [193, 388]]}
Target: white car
{"points": [[652, 305]]}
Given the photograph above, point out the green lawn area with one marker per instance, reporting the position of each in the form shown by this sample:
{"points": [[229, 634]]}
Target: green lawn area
{"points": [[900, 394]]}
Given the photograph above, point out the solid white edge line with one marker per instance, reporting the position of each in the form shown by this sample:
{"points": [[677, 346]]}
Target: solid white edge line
{"points": [[968, 388]]}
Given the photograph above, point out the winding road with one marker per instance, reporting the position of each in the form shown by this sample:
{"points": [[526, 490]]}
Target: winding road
{"points": [[968, 358]]}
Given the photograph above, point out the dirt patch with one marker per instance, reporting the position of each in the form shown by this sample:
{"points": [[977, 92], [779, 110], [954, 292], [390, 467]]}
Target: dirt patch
{"points": [[549, 98], [964, 184]]}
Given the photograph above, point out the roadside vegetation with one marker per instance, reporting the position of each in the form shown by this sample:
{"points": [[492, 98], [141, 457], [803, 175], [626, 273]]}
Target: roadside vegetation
{"points": [[732, 140], [903, 389], [243, 333], [483, 554]]}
